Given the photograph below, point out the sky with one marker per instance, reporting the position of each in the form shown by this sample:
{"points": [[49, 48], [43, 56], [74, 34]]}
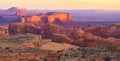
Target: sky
{"points": [[62, 4]]}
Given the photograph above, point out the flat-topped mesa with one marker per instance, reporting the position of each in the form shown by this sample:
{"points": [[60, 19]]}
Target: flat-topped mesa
{"points": [[32, 18], [62, 16], [49, 17]]}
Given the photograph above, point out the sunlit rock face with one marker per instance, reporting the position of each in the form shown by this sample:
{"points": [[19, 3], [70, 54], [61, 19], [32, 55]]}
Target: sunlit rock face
{"points": [[49, 17], [105, 31], [62, 16], [22, 28], [30, 19]]}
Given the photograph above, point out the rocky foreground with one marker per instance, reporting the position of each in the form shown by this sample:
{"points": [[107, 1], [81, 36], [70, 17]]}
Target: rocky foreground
{"points": [[32, 48], [51, 42]]}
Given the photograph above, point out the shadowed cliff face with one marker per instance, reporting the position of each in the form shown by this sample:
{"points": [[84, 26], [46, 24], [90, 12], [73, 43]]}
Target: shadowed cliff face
{"points": [[76, 36], [48, 30], [105, 31], [47, 18], [22, 28]]}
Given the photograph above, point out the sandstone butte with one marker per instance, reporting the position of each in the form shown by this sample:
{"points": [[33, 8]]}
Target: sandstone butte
{"points": [[47, 17]]}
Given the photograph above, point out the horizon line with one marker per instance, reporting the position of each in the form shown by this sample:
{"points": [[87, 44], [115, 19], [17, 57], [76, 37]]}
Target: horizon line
{"points": [[59, 9]]}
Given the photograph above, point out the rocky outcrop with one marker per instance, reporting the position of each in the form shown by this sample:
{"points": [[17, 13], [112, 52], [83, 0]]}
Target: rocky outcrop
{"points": [[33, 18], [61, 38], [50, 17], [36, 43], [88, 39], [74, 33], [22, 28], [78, 37], [48, 30], [105, 31], [3, 33]]}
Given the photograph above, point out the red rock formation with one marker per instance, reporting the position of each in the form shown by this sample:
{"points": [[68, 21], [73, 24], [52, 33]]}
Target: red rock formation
{"points": [[80, 38], [47, 30], [88, 39], [105, 31], [3, 33], [62, 16], [32, 19], [61, 38], [23, 28], [74, 33], [48, 17]]}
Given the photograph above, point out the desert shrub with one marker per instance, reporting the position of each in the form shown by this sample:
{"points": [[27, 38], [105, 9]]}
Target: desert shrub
{"points": [[32, 60], [7, 48], [78, 48], [45, 59], [66, 55], [75, 55], [107, 58], [60, 51], [18, 39], [84, 53], [92, 59], [32, 50], [71, 49], [111, 48]]}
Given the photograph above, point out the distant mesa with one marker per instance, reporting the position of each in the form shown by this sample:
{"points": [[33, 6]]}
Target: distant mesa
{"points": [[14, 9], [50, 17], [15, 14]]}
